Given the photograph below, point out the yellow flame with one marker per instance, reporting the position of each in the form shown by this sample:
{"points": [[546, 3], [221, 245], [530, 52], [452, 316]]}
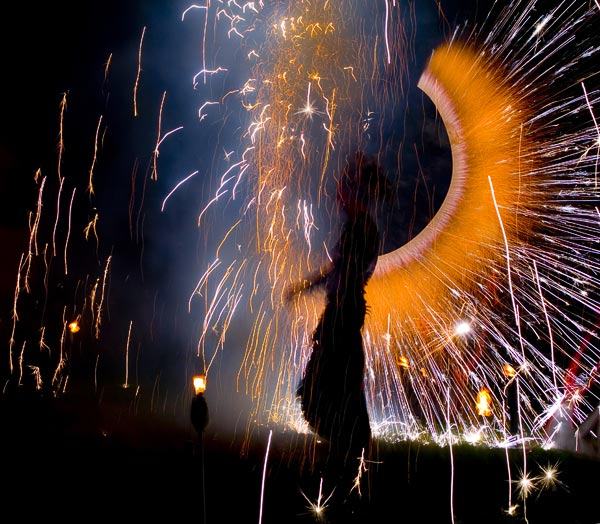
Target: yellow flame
{"points": [[484, 401], [199, 382], [403, 362]]}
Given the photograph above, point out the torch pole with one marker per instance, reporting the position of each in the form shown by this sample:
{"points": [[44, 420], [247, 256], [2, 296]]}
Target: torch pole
{"points": [[199, 417]]}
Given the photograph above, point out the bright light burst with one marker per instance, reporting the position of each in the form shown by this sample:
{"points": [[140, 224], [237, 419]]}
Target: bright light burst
{"points": [[319, 507], [526, 485], [549, 477]]}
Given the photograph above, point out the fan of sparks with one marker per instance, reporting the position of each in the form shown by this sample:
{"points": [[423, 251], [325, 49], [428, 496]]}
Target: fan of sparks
{"points": [[483, 323]]}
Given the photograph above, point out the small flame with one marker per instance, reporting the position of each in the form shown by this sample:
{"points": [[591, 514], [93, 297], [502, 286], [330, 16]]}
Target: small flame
{"points": [[403, 362], [199, 382], [74, 327], [484, 401]]}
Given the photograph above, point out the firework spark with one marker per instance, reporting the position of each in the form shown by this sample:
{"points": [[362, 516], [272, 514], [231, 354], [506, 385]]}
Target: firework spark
{"points": [[319, 507]]}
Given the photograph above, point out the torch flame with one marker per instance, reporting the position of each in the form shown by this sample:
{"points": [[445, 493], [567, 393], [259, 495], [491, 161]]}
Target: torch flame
{"points": [[484, 401], [199, 382]]}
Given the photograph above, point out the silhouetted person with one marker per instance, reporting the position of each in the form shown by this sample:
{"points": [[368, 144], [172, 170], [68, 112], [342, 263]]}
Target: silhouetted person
{"points": [[331, 391]]}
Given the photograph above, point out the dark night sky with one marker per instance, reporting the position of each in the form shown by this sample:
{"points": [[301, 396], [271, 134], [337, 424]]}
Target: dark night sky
{"points": [[51, 48]]}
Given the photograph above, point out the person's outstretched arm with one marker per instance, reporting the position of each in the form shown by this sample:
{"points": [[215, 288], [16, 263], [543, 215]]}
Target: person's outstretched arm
{"points": [[314, 279]]}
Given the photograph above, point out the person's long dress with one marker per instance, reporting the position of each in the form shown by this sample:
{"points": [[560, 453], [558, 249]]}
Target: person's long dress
{"points": [[332, 389]]}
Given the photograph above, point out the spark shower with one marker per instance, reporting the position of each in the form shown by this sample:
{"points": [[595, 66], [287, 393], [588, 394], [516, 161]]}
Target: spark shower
{"points": [[483, 309]]}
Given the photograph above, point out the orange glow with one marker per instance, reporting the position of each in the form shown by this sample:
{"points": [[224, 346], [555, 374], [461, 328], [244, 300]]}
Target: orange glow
{"points": [[482, 117], [509, 371], [484, 401], [403, 362], [199, 382], [74, 327]]}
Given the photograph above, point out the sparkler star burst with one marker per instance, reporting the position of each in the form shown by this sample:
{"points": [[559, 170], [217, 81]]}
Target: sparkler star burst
{"points": [[320, 506]]}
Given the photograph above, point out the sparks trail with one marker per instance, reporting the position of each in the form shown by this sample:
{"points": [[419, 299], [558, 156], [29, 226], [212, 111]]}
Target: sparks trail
{"points": [[304, 104], [65, 275], [505, 275]]}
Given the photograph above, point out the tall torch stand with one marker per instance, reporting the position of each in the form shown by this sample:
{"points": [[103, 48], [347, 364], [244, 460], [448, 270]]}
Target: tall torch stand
{"points": [[199, 417]]}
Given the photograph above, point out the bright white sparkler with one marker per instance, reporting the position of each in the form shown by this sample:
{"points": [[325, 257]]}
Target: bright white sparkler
{"points": [[179, 184], [262, 488], [319, 507]]}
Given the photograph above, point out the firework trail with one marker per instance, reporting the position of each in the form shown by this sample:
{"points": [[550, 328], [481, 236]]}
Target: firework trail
{"points": [[312, 97]]}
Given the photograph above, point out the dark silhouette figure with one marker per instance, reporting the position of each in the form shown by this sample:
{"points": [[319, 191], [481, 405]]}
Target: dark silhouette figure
{"points": [[331, 391]]}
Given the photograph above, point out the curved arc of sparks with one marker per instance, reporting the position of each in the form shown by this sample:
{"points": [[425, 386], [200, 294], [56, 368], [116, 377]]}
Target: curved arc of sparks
{"points": [[433, 272], [458, 84]]}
